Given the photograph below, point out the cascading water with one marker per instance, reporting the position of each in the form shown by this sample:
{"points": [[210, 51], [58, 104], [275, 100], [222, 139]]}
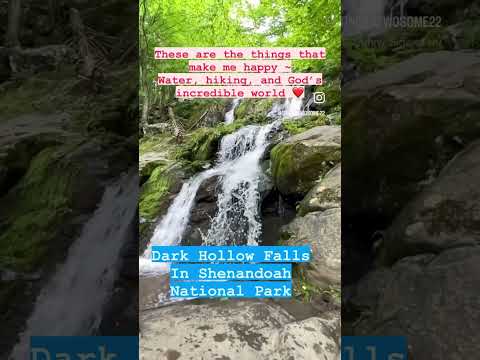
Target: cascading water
{"points": [[72, 302], [237, 219], [291, 108], [238, 167], [230, 115]]}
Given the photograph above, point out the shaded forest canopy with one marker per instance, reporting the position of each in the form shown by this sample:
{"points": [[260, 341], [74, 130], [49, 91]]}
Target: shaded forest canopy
{"points": [[236, 23]]}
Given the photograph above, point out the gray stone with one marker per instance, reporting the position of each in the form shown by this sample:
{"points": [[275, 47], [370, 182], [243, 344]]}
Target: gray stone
{"points": [[236, 330], [403, 124], [320, 230], [433, 300], [299, 161], [444, 215], [325, 195]]}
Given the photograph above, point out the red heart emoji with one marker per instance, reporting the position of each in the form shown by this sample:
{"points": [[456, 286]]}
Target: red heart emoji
{"points": [[298, 91]]}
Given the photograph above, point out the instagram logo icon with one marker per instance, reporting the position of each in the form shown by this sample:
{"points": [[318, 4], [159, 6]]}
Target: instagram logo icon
{"points": [[318, 97]]}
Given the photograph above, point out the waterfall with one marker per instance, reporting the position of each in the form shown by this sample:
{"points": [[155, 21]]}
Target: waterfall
{"points": [[171, 228], [239, 170], [72, 301], [237, 219], [230, 114], [290, 108]]}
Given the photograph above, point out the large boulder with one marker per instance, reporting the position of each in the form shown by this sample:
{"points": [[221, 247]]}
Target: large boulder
{"points": [[401, 126], [300, 160], [433, 300], [320, 230], [445, 215], [51, 177], [326, 194], [236, 330]]}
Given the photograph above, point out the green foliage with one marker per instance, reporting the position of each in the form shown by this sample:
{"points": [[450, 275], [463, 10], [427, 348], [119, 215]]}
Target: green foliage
{"points": [[297, 126], [471, 31], [305, 291], [154, 143], [236, 23]]}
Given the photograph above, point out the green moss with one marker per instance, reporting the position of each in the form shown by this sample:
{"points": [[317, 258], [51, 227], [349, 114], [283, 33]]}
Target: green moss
{"points": [[191, 110], [471, 34], [39, 204], [254, 110], [152, 143], [202, 144], [41, 87], [154, 191], [296, 167], [297, 126]]}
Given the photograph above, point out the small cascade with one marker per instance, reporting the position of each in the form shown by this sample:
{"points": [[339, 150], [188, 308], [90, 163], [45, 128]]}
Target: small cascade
{"points": [[237, 219], [290, 108], [230, 115], [71, 303]]}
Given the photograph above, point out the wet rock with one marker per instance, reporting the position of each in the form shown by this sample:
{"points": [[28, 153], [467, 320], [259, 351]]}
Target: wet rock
{"points": [[444, 215], [320, 230], [433, 300], [240, 330], [203, 211], [300, 160], [325, 195]]}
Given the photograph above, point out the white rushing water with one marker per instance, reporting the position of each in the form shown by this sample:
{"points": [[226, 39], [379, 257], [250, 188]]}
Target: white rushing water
{"points": [[71, 303], [237, 219], [230, 115], [239, 170], [291, 108]]}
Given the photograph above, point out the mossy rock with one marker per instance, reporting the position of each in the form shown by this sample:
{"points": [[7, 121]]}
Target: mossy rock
{"points": [[298, 162], [403, 132], [154, 191], [326, 194], [203, 144], [39, 204], [255, 110], [54, 185], [190, 111]]}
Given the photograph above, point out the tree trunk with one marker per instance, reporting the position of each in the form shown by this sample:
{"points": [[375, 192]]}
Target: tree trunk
{"points": [[52, 13], [145, 110], [14, 20]]}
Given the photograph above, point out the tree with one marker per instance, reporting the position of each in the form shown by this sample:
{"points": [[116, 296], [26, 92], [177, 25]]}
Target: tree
{"points": [[14, 22]]}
